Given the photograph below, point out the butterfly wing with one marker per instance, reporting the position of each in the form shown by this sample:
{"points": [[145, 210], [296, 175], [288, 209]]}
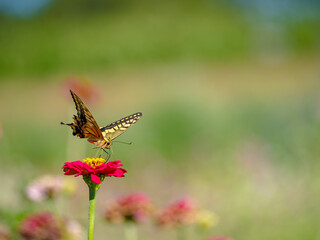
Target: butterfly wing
{"points": [[115, 129], [84, 124]]}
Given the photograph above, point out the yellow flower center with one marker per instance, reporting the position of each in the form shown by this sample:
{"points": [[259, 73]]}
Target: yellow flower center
{"points": [[94, 162]]}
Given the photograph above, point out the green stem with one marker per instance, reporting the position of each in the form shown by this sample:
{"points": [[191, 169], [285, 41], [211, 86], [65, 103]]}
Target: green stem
{"points": [[131, 231], [181, 233], [93, 189], [92, 204]]}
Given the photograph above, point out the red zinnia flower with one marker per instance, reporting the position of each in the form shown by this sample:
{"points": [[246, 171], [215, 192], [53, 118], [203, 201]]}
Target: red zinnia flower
{"points": [[95, 167]]}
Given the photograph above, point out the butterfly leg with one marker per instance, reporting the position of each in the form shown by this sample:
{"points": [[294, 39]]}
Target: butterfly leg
{"points": [[108, 153], [98, 153]]}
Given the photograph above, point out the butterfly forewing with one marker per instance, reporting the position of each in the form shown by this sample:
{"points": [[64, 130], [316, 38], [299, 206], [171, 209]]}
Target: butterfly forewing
{"points": [[89, 126], [115, 129]]}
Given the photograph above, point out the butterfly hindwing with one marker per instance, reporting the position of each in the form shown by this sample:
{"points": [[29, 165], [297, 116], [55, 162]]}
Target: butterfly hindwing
{"points": [[115, 129]]}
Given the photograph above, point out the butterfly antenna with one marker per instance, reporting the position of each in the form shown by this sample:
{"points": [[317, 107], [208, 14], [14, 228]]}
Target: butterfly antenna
{"points": [[128, 143]]}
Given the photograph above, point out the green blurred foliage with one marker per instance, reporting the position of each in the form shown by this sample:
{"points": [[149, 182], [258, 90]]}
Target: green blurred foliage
{"points": [[85, 36], [304, 36]]}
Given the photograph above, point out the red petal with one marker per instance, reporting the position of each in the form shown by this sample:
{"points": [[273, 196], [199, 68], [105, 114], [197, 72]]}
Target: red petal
{"points": [[72, 168], [87, 169], [119, 172], [95, 179]]}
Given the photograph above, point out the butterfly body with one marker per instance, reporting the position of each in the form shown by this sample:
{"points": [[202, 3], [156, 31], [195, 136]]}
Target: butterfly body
{"points": [[103, 143], [85, 126]]}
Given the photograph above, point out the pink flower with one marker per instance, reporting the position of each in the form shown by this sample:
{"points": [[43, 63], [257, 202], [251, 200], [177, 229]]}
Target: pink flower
{"points": [[182, 212], [44, 187], [82, 87], [46, 226], [41, 225], [219, 238], [134, 207], [95, 167]]}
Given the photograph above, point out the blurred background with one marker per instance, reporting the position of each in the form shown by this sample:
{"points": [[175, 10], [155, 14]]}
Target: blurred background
{"points": [[229, 92]]}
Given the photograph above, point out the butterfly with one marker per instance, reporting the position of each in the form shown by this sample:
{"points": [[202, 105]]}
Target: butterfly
{"points": [[85, 126]]}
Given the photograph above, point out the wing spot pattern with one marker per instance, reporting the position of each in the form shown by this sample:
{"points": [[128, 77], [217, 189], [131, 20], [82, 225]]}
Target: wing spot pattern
{"points": [[116, 128]]}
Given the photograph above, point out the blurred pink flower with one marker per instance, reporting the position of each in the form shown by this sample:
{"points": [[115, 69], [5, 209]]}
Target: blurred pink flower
{"points": [[219, 238], [182, 212], [46, 226], [45, 187], [42, 225], [135, 207], [84, 88], [94, 167]]}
